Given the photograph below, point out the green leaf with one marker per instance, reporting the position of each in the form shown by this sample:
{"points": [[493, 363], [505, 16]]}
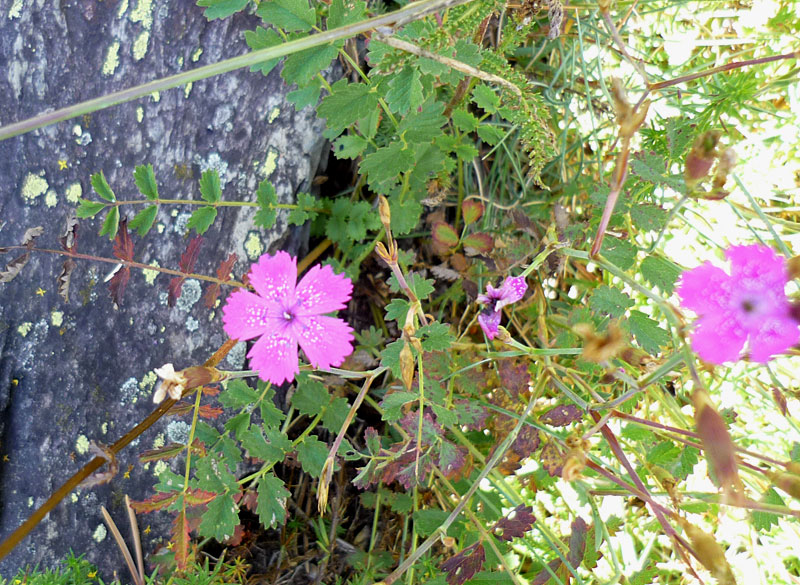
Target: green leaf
{"points": [[88, 208], [405, 215], [257, 446], [302, 67], [652, 168], [422, 287], [209, 186], [290, 15], [263, 39], [478, 243], [305, 96], [278, 440], [435, 336], [397, 310], [267, 200], [663, 454], [350, 146], [312, 454], [386, 164], [465, 121], [270, 414], [423, 126], [648, 217], [660, 272], [620, 253], [220, 519], [143, 220], [201, 219], [392, 404], [305, 211], [763, 521], [342, 12], [427, 521], [311, 396], [221, 8], [490, 134], [472, 210], [212, 475], [486, 99], [390, 356], [346, 104], [101, 187], [334, 416], [272, 496], [111, 224], [610, 301], [444, 234], [238, 395], [405, 90], [647, 332], [238, 424], [685, 465], [145, 180]]}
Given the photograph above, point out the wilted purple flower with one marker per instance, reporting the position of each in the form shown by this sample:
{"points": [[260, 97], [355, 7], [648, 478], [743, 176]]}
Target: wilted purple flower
{"points": [[747, 306], [512, 290]]}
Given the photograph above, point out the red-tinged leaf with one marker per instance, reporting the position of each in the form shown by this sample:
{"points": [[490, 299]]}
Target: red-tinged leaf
{"points": [[472, 210], [780, 400], [197, 497], [123, 245], [64, 278], [250, 500], [118, 283], [464, 565], [562, 415], [165, 452], [516, 524], [224, 274], [238, 535], [478, 244], [718, 447], [524, 223], [444, 235], [577, 542], [174, 289], [157, 501], [180, 540], [544, 575], [205, 411], [527, 442], [514, 377], [14, 267], [189, 256], [552, 459]]}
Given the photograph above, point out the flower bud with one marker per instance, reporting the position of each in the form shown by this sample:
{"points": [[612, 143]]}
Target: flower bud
{"points": [[386, 214], [172, 383], [701, 158], [407, 365]]}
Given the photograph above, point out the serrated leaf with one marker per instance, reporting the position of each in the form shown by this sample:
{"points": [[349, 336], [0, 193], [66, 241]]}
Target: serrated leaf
{"points": [[312, 454], [335, 415], [145, 180], [465, 566], [305, 96], [422, 287], [478, 244], [653, 168], [290, 15], [486, 99], [561, 415], [350, 146], [210, 187], [143, 221], [648, 217], [444, 234], [435, 336], [620, 253], [267, 199], [346, 104], [390, 356], [660, 272], [220, 519], [88, 208], [157, 501], [237, 395], [663, 453], [202, 219], [257, 446], [302, 67], [472, 210], [311, 396], [305, 210], [397, 310], [647, 332], [263, 39], [111, 223], [405, 215], [180, 539], [610, 301], [238, 424], [385, 166], [490, 134], [425, 125], [465, 121], [101, 187], [221, 8], [272, 496], [405, 90], [212, 475], [763, 521], [393, 403], [344, 12]]}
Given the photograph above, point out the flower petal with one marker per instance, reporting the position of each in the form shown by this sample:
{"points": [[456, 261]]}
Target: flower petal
{"points": [[275, 357], [326, 341], [759, 265], [513, 289], [247, 315], [718, 339], [489, 322], [321, 291], [774, 336], [274, 277], [704, 289]]}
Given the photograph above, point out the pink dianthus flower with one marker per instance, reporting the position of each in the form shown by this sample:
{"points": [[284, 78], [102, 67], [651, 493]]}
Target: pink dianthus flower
{"points": [[283, 313], [512, 290], [747, 306]]}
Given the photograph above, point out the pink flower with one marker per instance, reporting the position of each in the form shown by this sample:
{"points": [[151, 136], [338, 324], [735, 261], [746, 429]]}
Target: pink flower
{"points": [[750, 305], [283, 313], [512, 290]]}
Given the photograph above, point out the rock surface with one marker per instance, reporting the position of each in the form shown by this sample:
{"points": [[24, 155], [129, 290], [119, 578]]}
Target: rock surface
{"points": [[83, 370]]}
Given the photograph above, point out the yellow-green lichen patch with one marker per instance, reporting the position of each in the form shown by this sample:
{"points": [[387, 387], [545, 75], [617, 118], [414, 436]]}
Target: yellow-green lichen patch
{"points": [[123, 8], [158, 442], [112, 59], [139, 114], [57, 318], [253, 246], [74, 498], [187, 89], [104, 428], [30, 502], [273, 114], [196, 54], [148, 381], [150, 275], [140, 45], [160, 227], [100, 533], [15, 10], [74, 192], [159, 468], [51, 199], [81, 445], [24, 328], [143, 13], [156, 95], [270, 163], [33, 186]]}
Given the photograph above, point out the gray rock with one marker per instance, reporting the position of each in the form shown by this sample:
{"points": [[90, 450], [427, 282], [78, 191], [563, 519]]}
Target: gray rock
{"points": [[83, 370]]}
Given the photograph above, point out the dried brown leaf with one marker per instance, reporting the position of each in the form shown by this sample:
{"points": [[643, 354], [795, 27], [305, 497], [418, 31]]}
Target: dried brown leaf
{"points": [[157, 501], [552, 459], [710, 553], [224, 274], [123, 246], [180, 539], [14, 267], [69, 240], [118, 283], [780, 400], [600, 348], [30, 236], [64, 278]]}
